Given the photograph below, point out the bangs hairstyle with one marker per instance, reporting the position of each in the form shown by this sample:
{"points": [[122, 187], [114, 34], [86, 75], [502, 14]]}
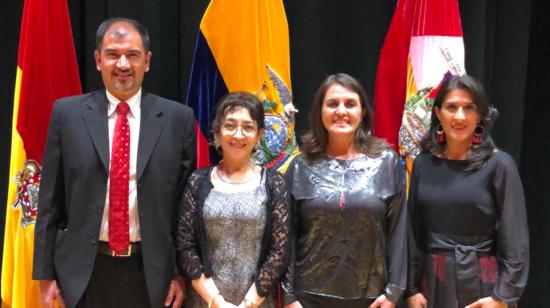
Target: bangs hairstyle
{"points": [[234, 101], [487, 115], [315, 141]]}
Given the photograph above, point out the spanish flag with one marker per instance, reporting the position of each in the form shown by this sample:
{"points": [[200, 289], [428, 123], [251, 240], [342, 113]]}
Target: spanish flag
{"points": [[424, 45], [46, 70], [243, 45]]}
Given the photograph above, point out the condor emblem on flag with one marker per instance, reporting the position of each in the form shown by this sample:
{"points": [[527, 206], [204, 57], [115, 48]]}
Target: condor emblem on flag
{"points": [[279, 142]]}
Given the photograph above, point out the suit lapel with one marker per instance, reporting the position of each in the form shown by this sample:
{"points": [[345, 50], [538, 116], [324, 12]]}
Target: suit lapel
{"points": [[96, 122], [149, 132]]}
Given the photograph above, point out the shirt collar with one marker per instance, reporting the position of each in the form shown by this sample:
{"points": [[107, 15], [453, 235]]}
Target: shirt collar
{"points": [[133, 102]]}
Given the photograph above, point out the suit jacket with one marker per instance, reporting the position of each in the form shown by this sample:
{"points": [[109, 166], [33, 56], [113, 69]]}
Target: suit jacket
{"points": [[74, 184]]}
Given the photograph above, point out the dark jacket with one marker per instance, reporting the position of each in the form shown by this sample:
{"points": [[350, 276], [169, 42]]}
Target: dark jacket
{"points": [[74, 185]]}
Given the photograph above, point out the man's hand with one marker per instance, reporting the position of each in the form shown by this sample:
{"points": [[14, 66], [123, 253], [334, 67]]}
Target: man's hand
{"points": [[382, 302], [49, 293], [176, 293]]}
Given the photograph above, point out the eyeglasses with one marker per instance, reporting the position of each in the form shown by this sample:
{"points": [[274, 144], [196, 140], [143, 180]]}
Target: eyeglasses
{"points": [[247, 128]]}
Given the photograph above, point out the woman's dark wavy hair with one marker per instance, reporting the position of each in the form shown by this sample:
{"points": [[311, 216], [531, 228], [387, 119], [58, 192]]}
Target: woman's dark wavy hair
{"points": [[315, 141], [487, 113]]}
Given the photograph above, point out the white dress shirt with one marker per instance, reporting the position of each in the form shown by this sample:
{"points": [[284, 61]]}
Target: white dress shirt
{"points": [[134, 121]]}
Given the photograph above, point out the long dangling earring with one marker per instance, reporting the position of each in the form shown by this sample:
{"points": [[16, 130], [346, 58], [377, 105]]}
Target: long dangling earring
{"points": [[478, 135], [440, 134]]}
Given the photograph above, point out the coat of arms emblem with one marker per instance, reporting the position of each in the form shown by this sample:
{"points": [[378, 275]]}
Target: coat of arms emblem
{"points": [[28, 183]]}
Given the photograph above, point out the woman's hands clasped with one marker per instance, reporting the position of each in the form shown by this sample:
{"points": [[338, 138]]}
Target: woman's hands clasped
{"points": [[487, 302], [295, 304], [417, 301], [382, 302]]}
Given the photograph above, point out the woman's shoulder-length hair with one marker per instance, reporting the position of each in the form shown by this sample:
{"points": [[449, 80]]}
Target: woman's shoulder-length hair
{"points": [[315, 140]]}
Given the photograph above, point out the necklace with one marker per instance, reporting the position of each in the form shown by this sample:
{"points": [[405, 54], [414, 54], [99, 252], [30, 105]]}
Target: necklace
{"points": [[224, 178]]}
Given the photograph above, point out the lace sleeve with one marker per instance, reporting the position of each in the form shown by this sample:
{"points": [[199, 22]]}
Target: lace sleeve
{"points": [[186, 237], [277, 257]]}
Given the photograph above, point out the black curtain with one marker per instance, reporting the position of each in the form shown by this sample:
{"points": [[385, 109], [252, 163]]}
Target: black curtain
{"points": [[507, 43]]}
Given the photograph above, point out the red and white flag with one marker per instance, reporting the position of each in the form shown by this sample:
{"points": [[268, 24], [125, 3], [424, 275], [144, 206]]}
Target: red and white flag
{"points": [[423, 45]]}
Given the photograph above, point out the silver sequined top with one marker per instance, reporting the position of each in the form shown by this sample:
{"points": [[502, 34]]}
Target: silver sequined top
{"points": [[234, 225]]}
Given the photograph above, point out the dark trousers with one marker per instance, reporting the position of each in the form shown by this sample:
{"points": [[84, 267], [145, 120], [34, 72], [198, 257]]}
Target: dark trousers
{"points": [[318, 301], [116, 282]]}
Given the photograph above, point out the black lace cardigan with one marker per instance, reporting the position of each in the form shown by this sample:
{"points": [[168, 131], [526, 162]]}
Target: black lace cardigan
{"points": [[191, 238]]}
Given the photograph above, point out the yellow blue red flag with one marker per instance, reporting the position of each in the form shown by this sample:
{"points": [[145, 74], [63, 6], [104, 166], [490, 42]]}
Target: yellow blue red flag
{"points": [[243, 45], [46, 71]]}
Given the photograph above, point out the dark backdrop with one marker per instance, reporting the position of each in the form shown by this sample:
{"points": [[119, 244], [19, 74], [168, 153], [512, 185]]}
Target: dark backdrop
{"points": [[507, 46]]}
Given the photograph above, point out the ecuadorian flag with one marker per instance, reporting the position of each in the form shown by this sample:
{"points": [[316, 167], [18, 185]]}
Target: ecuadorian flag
{"points": [[424, 45], [243, 45], [46, 71]]}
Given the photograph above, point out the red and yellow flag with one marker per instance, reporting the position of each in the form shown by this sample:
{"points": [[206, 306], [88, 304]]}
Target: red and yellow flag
{"points": [[46, 71]]}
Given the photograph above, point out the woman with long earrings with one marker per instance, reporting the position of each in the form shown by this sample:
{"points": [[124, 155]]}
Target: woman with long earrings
{"points": [[350, 243], [233, 228], [467, 209]]}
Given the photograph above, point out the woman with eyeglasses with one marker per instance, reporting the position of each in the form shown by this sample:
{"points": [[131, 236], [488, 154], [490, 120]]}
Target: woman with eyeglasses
{"points": [[467, 209], [233, 228]]}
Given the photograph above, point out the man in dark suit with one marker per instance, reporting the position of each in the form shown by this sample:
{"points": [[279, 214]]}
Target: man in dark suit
{"points": [[114, 168]]}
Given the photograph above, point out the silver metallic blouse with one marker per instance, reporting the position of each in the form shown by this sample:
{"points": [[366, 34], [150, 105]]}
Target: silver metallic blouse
{"points": [[349, 228]]}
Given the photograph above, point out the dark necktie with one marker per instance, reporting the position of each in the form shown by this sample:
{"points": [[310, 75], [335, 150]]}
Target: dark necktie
{"points": [[119, 176]]}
